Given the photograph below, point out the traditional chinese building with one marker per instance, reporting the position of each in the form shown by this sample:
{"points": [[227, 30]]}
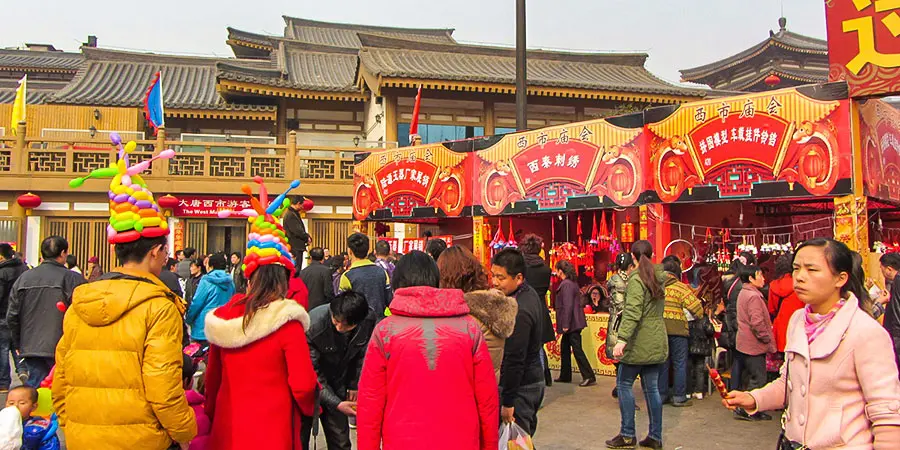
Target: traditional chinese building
{"points": [[291, 106], [784, 59]]}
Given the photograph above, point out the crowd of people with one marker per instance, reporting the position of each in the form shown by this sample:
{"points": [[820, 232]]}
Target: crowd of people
{"points": [[360, 338]]}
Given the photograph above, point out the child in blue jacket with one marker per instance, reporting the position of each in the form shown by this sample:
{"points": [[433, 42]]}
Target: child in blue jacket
{"points": [[215, 289]]}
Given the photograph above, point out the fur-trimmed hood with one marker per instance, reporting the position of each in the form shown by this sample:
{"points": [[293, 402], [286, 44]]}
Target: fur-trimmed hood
{"points": [[224, 326], [495, 310]]}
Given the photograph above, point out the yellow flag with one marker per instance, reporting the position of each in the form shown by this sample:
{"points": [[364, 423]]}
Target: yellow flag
{"points": [[18, 112]]}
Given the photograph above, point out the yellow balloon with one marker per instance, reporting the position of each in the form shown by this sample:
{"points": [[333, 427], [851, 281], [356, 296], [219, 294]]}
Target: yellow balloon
{"points": [[150, 221], [163, 224], [140, 195], [45, 403], [130, 146], [121, 165], [116, 181], [119, 189]]}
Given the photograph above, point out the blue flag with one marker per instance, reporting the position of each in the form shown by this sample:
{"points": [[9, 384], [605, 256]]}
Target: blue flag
{"points": [[153, 104]]}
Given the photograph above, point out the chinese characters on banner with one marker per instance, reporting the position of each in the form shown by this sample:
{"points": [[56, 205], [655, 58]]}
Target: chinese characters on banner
{"points": [[864, 45], [411, 244], [178, 237], [207, 206]]}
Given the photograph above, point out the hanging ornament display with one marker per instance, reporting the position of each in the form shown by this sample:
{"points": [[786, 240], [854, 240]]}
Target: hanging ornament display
{"points": [[578, 231], [499, 241], [595, 239], [511, 243]]}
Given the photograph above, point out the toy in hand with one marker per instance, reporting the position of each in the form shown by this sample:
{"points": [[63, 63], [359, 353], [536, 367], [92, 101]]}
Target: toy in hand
{"points": [[717, 380]]}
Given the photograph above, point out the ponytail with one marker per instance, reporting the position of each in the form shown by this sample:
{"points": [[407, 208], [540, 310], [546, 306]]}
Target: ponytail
{"points": [[642, 251]]}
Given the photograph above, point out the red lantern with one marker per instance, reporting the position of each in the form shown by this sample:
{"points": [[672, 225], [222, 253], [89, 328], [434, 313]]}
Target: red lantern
{"points": [[308, 204], [167, 201], [672, 175], [773, 80], [496, 190], [813, 163], [620, 180], [451, 194], [29, 201]]}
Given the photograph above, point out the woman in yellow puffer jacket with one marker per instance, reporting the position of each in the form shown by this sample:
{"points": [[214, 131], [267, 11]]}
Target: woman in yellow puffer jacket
{"points": [[117, 382]]}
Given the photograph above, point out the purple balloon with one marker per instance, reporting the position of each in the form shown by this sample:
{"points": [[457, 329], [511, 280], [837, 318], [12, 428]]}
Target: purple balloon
{"points": [[121, 198], [112, 195], [115, 138], [144, 204], [132, 200]]}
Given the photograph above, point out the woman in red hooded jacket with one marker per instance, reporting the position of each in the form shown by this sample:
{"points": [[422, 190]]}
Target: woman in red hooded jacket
{"points": [[260, 378], [427, 380], [782, 299]]}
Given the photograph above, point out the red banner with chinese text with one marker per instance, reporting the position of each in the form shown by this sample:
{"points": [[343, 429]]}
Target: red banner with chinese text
{"points": [[730, 147], [864, 45], [402, 180], [410, 244], [207, 205]]}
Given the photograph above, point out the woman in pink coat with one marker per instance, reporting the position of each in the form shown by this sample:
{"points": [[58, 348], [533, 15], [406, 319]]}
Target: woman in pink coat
{"points": [[840, 378], [427, 381]]}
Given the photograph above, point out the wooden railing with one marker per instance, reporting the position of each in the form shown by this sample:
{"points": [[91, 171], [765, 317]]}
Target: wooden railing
{"points": [[36, 156]]}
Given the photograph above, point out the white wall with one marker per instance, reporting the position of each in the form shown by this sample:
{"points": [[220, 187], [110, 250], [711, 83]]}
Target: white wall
{"points": [[378, 129]]}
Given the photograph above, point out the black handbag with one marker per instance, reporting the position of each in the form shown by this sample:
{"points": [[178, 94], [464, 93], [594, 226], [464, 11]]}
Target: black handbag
{"points": [[783, 442]]}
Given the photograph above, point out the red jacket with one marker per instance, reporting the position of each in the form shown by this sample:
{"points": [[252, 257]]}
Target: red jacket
{"points": [[782, 290], [427, 381], [259, 380]]}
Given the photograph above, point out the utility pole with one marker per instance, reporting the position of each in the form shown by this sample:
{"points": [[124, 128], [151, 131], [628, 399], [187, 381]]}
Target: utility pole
{"points": [[521, 77]]}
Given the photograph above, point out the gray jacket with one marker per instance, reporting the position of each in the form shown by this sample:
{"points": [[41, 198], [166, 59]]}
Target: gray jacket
{"points": [[183, 269], [35, 322]]}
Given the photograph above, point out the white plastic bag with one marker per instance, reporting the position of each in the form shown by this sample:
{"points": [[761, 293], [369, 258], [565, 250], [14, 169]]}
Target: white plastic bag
{"points": [[513, 437], [10, 429]]}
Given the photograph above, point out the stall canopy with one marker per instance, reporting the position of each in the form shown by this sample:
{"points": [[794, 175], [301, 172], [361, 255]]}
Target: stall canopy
{"points": [[788, 143]]}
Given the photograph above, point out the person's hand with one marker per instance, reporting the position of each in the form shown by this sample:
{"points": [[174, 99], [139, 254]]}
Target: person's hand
{"points": [[352, 395], [869, 283], [346, 408], [619, 350], [184, 445], [565, 330], [739, 399], [507, 415]]}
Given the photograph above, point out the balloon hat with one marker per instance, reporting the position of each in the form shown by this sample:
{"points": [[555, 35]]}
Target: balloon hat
{"points": [[267, 243], [133, 213]]}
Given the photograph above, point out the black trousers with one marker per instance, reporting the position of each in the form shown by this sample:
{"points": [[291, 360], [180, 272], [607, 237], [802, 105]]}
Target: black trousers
{"points": [[698, 375], [753, 371], [335, 426], [528, 401], [571, 343]]}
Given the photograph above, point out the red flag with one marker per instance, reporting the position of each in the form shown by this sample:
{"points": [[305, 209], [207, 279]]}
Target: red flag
{"points": [[414, 124], [604, 231]]}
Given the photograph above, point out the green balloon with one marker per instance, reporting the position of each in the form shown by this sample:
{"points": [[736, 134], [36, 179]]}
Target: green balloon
{"points": [[76, 183]]}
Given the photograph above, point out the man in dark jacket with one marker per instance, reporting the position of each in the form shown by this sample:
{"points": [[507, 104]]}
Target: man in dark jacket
{"points": [[317, 278], [10, 270], [537, 275], [338, 335], [296, 230], [35, 322], [365, 277], [521, 374], [890, 268]]}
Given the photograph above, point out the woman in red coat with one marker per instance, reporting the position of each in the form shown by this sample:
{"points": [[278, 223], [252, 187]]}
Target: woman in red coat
{"points": [[427, 381], [782, 299], [260, 378]]}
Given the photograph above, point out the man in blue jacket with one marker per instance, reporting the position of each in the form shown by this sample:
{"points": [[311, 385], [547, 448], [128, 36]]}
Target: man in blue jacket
{"points": [[215, 289]]}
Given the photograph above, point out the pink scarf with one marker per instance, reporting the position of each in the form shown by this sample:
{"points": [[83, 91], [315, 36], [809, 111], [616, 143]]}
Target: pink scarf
{"points": [[816, 323]]}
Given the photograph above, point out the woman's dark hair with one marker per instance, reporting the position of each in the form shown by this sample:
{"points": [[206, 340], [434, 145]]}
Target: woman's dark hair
{"points": [[865, 301], [736, 265], [672, 265], [335, 263], [268, 283], [568, 269], [531, 244], [623, 261], [784, 265], [136, 251], [460, 270], [435, 247], [71, 261], [218, 261], [415, 269], [747, 272], [238, 254], [199, 264], [642, 251], [840, 259]]}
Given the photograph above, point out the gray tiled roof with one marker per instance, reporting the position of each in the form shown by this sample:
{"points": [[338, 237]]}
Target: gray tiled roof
{"points": [[614, 72], [253, 38], [346, 35], [115, 78], [37, 60], [805, 44], [34, 97], [301, 66]]}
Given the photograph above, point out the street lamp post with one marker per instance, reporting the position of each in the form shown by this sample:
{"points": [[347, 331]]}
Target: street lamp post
{"points": [[521, 86]]}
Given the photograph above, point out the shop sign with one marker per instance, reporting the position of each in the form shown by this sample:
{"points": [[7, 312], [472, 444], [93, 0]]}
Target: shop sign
{"points": [[409, 245], [864, 45], [568, 163], [404, 179], [207, 205], [178, 237], [738, 143], [394, 243]]}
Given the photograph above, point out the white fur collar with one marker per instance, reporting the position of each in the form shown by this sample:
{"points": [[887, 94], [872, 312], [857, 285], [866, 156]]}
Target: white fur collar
{"points": [[229, 333]]}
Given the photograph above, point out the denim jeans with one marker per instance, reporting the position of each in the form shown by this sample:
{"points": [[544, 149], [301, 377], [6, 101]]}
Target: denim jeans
{"points": [[5, 344], [38, 369], [527, 402], [625, 377], [678, 358]]}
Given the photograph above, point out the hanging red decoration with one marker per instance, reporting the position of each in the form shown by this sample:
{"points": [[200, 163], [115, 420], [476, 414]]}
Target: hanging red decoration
{"points": [[167, 201], [308, 204], [612, 227], [813, 163], [29, 200], [773, 80], [709, 236], [499, 240], [511, 243], [727, 235], [579, 232], [594, 238]]}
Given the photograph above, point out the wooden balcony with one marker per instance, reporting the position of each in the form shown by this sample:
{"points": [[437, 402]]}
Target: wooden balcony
{"points": [[39, 164]]}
